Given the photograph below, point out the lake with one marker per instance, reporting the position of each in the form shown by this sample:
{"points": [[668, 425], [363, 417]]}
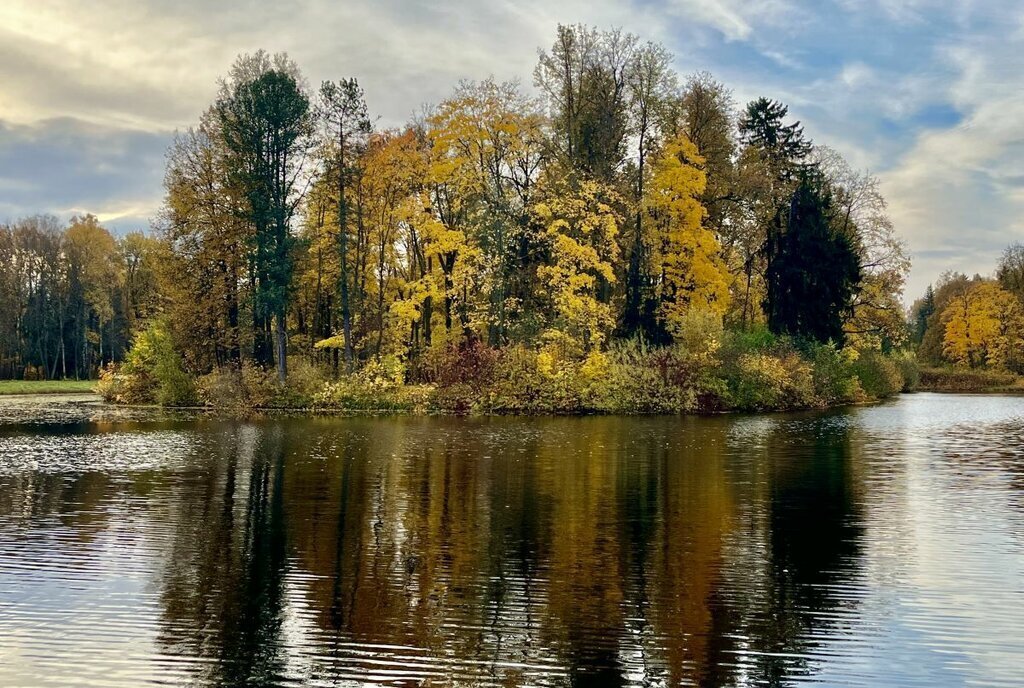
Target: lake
{"points": [[873, 546]]}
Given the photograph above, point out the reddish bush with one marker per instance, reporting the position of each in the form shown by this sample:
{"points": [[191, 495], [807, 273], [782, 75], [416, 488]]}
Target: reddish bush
{"points": [[470, 362]]}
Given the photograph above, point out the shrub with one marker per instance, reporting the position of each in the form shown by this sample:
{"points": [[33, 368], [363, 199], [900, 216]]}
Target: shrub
{"points": [[352, 394], [765, 382], [259, 385], [377, 386], [835, 381], [878, 375], [34, 373], [964, 380], [254, 387], [460, 399], [304, 380], [468, 362], [700, 334], [757, 338], [906, 361], [108, 384], [650, 380], [222, 388], [152, 372], [528, 382]]}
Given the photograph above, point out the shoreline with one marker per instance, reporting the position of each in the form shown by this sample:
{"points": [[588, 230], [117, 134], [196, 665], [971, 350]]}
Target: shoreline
{"points": [[229, 412], [316, 411], [968, 381]]}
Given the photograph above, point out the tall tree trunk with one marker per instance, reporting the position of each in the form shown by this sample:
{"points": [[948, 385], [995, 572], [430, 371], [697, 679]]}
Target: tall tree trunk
{"points": [[63, 352], [281, 343], [233, 345], [346, 313], [428, 313]]}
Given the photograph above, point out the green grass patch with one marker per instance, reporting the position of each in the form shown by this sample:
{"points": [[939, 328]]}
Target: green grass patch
{"points": [[46, 386]]}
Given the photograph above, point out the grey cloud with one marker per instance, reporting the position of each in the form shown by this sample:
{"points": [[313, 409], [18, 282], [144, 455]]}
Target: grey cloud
{"points": [[66, 165], [97, 92]]}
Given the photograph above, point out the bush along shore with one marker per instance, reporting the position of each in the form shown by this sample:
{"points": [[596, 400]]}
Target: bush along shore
{"points": [[966, 380], [712, 372]]}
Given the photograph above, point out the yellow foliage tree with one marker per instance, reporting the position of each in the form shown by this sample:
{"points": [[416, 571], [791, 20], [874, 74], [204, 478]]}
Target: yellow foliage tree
{"points": [[394, 170], [580, 225], [688, 265], [97, 268], [983, 325], [486, 145]]}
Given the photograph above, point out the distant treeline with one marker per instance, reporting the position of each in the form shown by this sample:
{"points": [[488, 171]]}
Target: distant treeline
{"points": [[623, 202], [974, 322], [71, 296]]}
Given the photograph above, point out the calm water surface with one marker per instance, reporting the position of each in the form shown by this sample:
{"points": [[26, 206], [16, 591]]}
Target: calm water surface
{"points": [[879, 546]]}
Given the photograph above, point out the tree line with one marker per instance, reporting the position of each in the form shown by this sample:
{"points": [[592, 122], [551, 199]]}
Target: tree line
{"points": [[71, 296], [614, 201], [974, 322]]}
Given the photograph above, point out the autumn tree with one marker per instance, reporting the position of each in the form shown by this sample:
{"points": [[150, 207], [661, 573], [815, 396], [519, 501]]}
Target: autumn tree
{"points": [[266, 124], [877, 312], [343, 111], [650, 82], [207, 268], [983, 326], [1010, 270], [584, 80], [487, 146], [580, 225], [949, 286], [394, 169], [704, 111], [10, 344], [94, 270], [40, 329], [72, 296], [690, 272]]}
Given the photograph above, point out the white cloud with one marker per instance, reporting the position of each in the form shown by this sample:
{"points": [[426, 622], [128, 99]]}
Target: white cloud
{"points": [[958, 194], [155, 63], [735, 19], [126, 68]]}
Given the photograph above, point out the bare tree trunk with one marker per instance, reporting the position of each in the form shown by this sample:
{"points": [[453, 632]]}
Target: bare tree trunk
{"points": [[281, 343]]}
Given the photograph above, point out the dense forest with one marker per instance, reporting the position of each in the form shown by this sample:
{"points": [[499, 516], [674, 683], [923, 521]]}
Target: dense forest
{"points": [[72, 296], [615, 210]]}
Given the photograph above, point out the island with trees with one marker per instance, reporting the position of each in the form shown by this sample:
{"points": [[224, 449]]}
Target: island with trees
{"points": [[619, 239]]}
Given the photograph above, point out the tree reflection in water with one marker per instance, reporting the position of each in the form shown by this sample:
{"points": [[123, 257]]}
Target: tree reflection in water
{"points": [[596, 551]]}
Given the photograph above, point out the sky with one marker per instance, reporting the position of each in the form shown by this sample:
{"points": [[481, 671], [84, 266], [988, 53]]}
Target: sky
{"points": [[926, 94]]}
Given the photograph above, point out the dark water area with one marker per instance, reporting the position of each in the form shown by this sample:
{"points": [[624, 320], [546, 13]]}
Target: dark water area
{"points": [[875, 546]]}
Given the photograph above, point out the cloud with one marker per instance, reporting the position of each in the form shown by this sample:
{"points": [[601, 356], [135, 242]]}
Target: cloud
{"points": [[958, 192], [67, 166], [921, 91], [736, 19]]}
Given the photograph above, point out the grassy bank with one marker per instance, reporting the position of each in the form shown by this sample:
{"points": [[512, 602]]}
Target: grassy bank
{"points": [[965, 380], [710, 373], [46, 386]]}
